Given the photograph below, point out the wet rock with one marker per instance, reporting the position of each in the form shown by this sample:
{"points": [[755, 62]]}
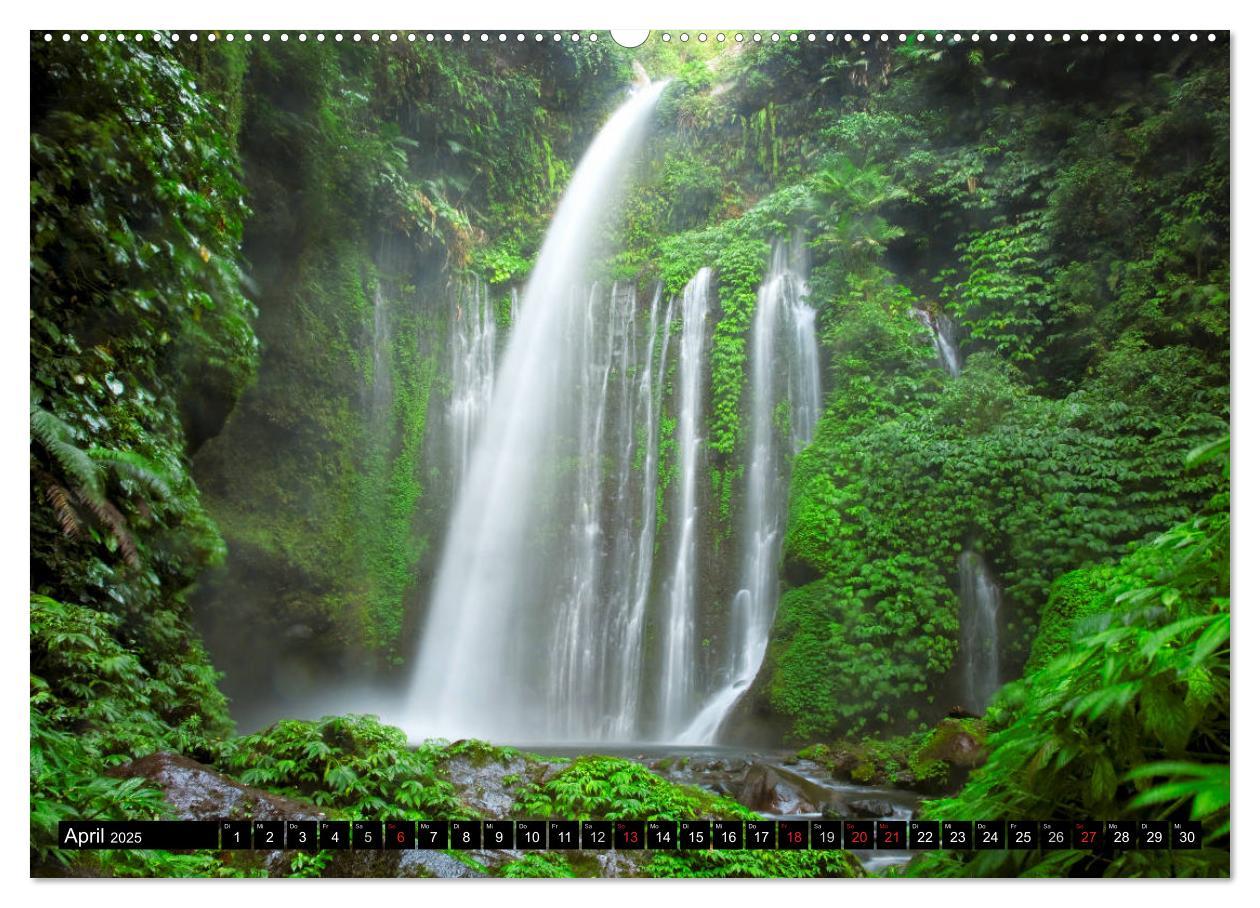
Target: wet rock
{"points": [[843, 764], [485, 785], [766, 790], [836, 810], [959, 712], [618, 864], [958, 749], [198, 792], [874, 808], [959, 744], [434, 864]]}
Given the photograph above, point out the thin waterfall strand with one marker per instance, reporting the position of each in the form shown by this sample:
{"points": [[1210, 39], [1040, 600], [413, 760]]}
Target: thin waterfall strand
{"points": [[472, 368], [980, 602], [944, 337], [679, 658], [626, 672]]}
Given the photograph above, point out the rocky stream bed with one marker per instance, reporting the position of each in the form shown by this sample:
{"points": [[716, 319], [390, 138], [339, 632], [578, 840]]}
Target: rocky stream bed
{"points": [[776, 784]]}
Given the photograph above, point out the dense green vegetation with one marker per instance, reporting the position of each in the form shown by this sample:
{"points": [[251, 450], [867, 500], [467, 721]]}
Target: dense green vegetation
{"points": [[1081, 247], [241, 269], [1126, 713]]}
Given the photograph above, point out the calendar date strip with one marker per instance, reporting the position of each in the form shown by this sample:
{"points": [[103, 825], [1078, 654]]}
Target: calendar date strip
{"points": [[631, 835]]}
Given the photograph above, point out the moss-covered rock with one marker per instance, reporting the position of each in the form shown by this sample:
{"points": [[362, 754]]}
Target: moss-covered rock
{"points": [[1074, 596], [936, 760]]}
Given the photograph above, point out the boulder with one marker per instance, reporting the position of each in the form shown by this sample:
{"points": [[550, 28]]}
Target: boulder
{"points": [[198, 792], [767, 791], [480, 783], [873, 808]]}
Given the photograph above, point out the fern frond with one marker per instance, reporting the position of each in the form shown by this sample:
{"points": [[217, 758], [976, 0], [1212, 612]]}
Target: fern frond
{"points": [[114, 521], [133, 466], [59, 499], [56, 437]]}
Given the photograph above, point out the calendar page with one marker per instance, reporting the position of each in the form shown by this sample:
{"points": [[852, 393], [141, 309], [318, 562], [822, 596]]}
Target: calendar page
{"points": [[680, 453]]}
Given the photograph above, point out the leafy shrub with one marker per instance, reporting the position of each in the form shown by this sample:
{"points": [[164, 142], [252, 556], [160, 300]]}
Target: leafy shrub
{"points": [[613, 788], [94, 705], [537, 866], [353, 764]]}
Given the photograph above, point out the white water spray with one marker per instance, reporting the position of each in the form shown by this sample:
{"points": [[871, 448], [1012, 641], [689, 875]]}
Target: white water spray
{"points": [[944, 336]]}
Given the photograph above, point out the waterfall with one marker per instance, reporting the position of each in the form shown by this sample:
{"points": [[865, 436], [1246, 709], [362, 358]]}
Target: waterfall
{"points": [[632, 572], [980, 601], [574, 695], [678, 662], [520, 641], [472, 341], [381, 379], [944, 336], [784, 358]]}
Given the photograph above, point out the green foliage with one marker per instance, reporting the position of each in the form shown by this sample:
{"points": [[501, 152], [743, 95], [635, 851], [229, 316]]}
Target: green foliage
{"points": [[136, 304], [1132, 720], [1074, 597], [93, 705], [502, 263], [136, 219], [535, 865], [596, 787], [847, 201], [353, 764], [882, 503], [482, 752], [754, 864], [309, 866], [74, 485], [1002, 302]]}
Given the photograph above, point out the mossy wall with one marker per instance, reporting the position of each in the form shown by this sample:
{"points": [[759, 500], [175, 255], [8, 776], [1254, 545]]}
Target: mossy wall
{"points": [[328, 479]]}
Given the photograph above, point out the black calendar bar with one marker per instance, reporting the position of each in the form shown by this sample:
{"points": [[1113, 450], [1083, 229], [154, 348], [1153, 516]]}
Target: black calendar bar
{"points": [[628, 835]]}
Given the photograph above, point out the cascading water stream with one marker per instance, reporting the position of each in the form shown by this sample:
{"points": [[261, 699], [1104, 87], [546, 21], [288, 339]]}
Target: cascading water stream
{"points": [[575, 647], [784, 356], [472, 368], [381, 379], [627, 672], [678, 662], [944, 336], [980, 602], [510, 585]]}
